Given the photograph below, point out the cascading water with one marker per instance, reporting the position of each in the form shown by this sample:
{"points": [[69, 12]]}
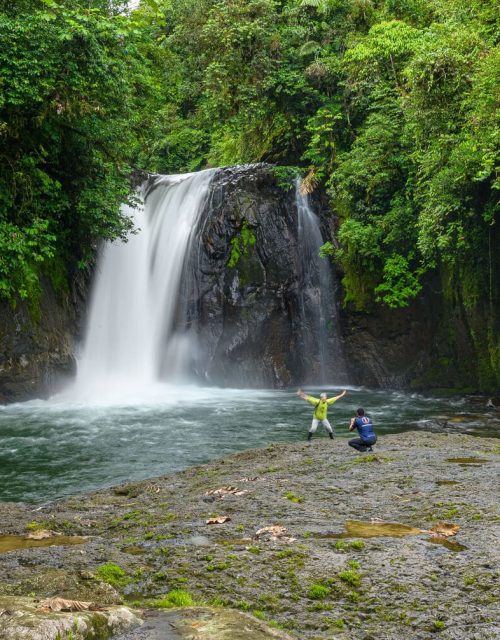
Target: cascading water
{"points": [[159, 294], [317, 291], [131, 341]]}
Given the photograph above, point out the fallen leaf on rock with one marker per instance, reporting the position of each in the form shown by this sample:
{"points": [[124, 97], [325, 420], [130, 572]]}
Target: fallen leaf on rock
{"points": [[218, 520], [444, 529], [224, 491], [42, 534], [407, 497], [197, 624], [275, 532], [152, 488], [6, 612], [61, 604]]}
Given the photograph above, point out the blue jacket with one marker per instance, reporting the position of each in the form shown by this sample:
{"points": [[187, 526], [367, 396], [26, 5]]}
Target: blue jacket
{"points": [[365, 428]]}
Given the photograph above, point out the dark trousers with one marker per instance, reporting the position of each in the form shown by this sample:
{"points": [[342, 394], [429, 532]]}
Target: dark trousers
{"points": [[362, 445]]}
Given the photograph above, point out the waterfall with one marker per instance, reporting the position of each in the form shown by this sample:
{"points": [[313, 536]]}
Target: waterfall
{"points": [[165, 308], [132, 340], [317, 298]]}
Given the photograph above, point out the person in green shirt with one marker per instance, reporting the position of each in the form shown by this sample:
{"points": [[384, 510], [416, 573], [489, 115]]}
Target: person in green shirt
{"points": [[320, 413]]}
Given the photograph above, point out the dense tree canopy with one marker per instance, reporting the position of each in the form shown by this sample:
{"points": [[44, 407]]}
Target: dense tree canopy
{"points": [[72, 77], [391, 105]]}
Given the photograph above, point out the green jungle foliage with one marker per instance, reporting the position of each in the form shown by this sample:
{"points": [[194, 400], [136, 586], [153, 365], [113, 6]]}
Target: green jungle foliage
{"points": [[391, 105], [74, 81]]}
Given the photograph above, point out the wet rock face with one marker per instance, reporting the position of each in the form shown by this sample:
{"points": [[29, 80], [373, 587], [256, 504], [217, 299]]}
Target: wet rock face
{"points": [[390, 348], [426, 346], [246, 308], [37, 347]]}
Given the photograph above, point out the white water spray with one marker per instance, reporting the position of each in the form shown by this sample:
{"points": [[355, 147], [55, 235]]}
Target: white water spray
{"points": [[318, 306], [130, 336]]}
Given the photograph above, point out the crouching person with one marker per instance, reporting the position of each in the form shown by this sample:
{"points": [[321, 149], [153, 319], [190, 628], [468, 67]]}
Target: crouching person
{"points": [[367, 436]]}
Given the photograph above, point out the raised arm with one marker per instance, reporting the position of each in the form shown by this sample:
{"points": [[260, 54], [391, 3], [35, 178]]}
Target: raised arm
{"points": [[332, 400], [310, 399]]}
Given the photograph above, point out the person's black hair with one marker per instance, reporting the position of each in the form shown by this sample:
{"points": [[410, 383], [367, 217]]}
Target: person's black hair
{"points": [[360, 411]]}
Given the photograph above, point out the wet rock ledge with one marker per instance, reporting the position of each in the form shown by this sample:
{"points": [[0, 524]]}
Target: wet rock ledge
{"points": [[308, 541]]}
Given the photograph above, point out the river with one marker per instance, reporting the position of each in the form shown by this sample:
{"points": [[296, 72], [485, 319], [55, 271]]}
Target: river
{"points": [[59, 447]]}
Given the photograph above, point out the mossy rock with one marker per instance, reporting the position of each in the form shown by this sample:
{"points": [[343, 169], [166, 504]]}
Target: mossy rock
{"points": [[21, 618]]}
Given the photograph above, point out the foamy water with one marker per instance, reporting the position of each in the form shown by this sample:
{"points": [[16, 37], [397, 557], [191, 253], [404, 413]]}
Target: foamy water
{"points": [[60, 447]]}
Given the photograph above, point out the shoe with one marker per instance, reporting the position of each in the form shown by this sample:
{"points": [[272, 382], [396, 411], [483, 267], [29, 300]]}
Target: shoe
{"points": [[369, 449], [309, 437], [331, 436]]}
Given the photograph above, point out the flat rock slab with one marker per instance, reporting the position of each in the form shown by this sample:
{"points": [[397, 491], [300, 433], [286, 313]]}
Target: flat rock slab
{"points": [[298, 540], [202, 623]]}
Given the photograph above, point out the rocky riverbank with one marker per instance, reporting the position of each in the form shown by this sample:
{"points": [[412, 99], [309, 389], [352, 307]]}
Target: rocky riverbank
{"points": [[315, 541]]}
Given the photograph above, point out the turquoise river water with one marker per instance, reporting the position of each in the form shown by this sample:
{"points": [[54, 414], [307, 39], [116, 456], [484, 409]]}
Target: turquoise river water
{"points": [[53, 448]]}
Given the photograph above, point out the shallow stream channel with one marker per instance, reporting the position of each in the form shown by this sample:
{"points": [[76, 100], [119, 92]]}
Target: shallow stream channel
{"points": [[68, 445]]}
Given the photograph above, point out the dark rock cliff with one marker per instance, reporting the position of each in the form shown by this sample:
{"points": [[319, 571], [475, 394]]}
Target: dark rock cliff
{"points": [[437, 344], [254, 330], [37, 348], [253, 326]]}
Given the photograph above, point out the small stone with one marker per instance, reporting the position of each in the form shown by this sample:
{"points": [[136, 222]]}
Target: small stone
{"points": [[86, 575]]}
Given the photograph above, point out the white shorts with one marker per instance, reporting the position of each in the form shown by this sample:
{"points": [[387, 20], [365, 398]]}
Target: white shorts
{"points": [[324, 422]]}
